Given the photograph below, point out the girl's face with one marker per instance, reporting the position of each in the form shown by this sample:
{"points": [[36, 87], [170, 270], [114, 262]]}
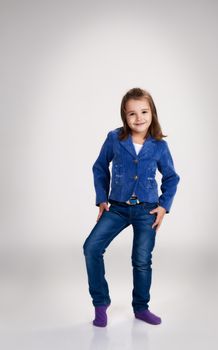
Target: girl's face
{"points": [[138, 116]]}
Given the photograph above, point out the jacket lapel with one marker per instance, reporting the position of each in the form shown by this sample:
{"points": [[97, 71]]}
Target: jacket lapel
{"points": [[144, 151]]}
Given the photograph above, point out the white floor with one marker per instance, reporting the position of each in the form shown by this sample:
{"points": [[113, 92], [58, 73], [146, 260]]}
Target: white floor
{"points": [[46, 306]]}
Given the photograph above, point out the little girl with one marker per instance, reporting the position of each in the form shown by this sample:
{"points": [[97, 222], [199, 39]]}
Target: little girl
{"points": [[136, 150]]}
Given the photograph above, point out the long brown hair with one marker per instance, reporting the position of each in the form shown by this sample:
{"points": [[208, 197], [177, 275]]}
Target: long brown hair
{"points": [[154, 128]]}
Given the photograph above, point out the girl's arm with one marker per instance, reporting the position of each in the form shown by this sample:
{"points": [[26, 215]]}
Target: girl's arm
{"points": [[170, 178], [101, 170]]}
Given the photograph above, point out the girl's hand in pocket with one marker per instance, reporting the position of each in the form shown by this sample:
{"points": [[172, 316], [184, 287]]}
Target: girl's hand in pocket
{"points": [[103, 206], [160, 214]]}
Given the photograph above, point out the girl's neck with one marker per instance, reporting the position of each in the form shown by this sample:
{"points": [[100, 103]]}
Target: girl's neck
{"points": [[138, 139]]}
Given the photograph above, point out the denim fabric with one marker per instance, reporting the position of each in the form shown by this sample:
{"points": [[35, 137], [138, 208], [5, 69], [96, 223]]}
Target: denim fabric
{"points": [[110, 224], [134, 173]]}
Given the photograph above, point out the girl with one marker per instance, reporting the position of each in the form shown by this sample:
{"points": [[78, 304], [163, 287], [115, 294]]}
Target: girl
{"points": [[136, 150]]}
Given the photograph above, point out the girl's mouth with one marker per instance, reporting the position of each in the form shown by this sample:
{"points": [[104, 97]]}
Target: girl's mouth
{"points": [[140, 124]]}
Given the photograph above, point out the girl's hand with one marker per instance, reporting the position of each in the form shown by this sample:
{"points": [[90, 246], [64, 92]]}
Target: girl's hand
{"points": [[160, 214], [103, 206]]}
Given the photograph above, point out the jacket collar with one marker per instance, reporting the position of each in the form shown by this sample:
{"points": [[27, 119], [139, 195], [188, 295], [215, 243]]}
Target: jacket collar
{"points": [[144, 151]]}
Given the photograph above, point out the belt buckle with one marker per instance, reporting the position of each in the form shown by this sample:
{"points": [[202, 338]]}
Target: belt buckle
{"points": [[132, 201]]}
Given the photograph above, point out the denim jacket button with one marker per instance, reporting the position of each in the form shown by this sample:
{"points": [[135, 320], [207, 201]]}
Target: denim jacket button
{"points": [[135, 177], [135, 160]]}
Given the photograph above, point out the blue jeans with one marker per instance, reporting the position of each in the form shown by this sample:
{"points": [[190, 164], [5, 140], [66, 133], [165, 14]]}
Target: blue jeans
{"points": [[110, 224]]}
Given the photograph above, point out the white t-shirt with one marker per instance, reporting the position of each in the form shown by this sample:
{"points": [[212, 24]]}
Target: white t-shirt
{"points": [[137, 146]]}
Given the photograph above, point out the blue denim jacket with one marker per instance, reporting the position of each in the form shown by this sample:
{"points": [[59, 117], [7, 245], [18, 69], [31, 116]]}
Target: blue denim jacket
{"points": [[134, 173]]}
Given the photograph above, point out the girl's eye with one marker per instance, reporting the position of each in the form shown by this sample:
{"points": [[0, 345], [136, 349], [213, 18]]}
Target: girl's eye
{"points": [[131, 114]]}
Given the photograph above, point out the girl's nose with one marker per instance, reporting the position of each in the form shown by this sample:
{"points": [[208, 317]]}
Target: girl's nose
{"points": [[139, 119]]}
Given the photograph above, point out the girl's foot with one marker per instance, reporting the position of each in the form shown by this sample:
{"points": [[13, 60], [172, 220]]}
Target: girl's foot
{"points": [[100, 316], [148, 317]]}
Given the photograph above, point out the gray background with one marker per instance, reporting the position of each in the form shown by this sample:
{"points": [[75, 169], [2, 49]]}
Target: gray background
{"points": [[65, 66]]}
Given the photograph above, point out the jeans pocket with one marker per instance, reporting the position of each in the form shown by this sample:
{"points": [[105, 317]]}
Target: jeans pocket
{"points": [[149, 206]]}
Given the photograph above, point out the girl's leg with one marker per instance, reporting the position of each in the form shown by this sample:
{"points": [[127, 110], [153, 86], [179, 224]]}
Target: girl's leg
{"points": [[143, 244], [110, 224]]}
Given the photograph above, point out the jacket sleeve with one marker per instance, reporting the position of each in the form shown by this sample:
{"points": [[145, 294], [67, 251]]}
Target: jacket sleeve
{"points": [[170, 178], [101, 170]]}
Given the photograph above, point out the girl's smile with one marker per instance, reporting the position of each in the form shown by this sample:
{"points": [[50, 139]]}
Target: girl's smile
{"points": [[140, 123]]}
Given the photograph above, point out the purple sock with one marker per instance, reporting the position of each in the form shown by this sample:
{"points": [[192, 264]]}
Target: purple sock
{"points": [[100, 316], [147, 316]]}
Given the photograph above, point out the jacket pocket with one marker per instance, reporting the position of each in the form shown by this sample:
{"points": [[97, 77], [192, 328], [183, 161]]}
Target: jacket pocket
{"points": [[150, 183], [117, 174]]}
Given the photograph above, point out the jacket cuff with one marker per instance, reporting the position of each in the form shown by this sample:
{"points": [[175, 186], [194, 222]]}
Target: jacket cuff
{"points": [[165, 205], [100, 199]]}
